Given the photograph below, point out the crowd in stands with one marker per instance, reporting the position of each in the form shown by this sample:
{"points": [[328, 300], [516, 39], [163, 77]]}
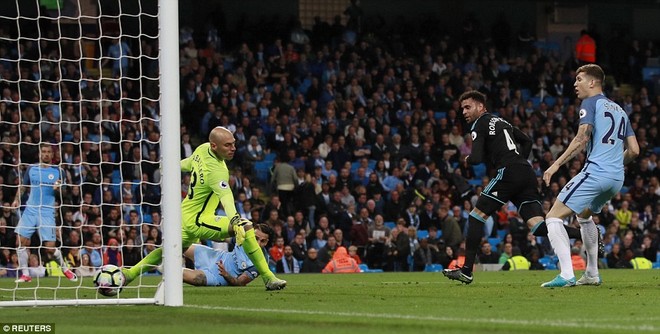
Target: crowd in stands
{"points": [[345, 137]]}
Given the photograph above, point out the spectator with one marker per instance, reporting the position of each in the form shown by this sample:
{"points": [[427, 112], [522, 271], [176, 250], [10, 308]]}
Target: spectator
{"points": [[341, 263], [288, 264], [312, 264]]}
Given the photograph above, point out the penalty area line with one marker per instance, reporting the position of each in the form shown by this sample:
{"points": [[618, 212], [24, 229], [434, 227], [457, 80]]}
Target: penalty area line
{"points": [[559, 323]]}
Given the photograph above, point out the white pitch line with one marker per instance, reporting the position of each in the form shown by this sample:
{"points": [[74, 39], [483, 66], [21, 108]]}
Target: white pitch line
{"points": [[559, 323]]}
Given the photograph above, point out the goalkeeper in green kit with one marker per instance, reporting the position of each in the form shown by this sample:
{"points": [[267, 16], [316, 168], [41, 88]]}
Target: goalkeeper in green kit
{"points": [[209, 186]]}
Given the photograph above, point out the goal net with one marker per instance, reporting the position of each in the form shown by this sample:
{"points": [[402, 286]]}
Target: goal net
{"points": [[82, 79]]}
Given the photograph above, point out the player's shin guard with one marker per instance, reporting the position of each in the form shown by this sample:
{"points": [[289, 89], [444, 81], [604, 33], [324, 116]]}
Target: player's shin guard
{"points": [[561, 244], [253, 250], [541, 230], [58, 257], [590, 240], [149, 262], [475, 233], [23, 256]]}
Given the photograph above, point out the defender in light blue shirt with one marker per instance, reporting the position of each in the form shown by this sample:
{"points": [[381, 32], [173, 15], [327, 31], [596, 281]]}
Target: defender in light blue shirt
{"points": [[610, 143], [43, 181]]}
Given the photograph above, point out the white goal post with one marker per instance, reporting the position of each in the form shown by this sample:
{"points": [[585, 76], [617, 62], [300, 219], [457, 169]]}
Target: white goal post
{"points": [[115, 64]]}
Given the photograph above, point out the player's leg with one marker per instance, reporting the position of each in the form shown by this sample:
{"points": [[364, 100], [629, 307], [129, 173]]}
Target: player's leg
{"points": [[24, 230], [22, 244], [576, 196], [590, 233], [218, 228], [560, 244], [148, 263], [485, 206], [47, 232], [532, 213]]}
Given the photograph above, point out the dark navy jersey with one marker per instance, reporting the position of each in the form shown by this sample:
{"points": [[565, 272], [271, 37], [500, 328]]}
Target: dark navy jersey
{"points": [[498, 143]]}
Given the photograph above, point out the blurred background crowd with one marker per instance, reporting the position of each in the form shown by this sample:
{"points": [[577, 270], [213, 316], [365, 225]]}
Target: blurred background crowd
{"points": [[348, 133]]}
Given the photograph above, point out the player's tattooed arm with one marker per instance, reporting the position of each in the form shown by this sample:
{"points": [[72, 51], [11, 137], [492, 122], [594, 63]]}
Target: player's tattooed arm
{"points": [[577, 144]]}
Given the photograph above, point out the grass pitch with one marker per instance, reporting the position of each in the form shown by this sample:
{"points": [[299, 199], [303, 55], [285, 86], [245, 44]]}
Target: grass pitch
{"points": [[496, 302]]}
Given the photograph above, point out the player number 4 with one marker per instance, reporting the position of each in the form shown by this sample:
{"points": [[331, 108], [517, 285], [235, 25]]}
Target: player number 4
{"points": [[509, 142]]}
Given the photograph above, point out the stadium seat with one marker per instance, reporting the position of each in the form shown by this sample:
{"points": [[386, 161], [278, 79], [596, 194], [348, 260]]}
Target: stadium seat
{"points": [[494, 242], [433, 268], [526, 94], [439, 115], [270, 157], [391, 225], [421, 234], [548, 263], [474, 182], [550, 101], [502, 234], [656, 150], [262, 170], [479, 170], [656, 265], [365, 269]]}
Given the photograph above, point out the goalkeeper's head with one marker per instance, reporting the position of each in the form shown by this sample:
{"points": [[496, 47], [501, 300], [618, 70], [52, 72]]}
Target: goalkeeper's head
{"points": [[223, 143]]}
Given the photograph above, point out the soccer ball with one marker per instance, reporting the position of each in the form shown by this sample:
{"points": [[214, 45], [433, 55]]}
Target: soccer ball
{"points": [[109, 280]]}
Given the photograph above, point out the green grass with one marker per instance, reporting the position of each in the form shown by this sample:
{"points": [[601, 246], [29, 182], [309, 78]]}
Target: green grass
{"points": [[497, 302]]}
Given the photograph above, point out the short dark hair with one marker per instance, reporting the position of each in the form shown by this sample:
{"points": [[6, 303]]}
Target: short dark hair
{"points": [[593, 71], [475, 95]]}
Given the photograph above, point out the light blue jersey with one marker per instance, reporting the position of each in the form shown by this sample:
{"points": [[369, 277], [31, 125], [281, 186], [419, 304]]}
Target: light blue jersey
{"points": [[611, 127], [40, 180], [236, 263], [40, 207]]}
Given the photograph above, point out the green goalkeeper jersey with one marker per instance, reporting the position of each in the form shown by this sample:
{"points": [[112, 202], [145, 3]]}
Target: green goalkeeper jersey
{"points": [[209, 185]]}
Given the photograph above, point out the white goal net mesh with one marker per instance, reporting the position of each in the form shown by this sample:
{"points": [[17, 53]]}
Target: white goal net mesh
{"points": [[80, 77]]}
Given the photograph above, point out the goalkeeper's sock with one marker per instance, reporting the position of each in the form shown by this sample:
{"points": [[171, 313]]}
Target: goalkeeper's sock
{"points": [[149, 262], [256, 255]]}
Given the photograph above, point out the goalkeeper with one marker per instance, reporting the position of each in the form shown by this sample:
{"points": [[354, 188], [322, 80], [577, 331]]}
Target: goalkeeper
{"points": [[209, 186], [222, 268]]}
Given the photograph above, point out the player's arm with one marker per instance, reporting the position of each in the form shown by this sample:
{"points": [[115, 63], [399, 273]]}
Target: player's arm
{"points": [[574, 148], [186, 164], [242, 279], [21, 188], [524, 141], [219, 183], [632, 149], [478, 144]]}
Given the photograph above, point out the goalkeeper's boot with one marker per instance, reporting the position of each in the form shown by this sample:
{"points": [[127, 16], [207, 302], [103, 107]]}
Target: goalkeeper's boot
{"points": [[70, 275], [24, 279], [559, 282], [458, 275], [274, 283], [589, 280]]}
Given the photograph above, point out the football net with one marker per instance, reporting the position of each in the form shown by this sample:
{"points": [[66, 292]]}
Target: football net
{"points": [[83, 77]]}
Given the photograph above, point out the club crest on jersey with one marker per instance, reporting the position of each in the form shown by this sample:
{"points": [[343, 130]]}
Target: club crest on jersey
{"points": [[51, 176], [583, 112], [243, 265], [474, 135], [223, 185]]}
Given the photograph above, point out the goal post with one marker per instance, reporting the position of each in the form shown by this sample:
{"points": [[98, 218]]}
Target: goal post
{"points": [[168, 22], [98, 81]]}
